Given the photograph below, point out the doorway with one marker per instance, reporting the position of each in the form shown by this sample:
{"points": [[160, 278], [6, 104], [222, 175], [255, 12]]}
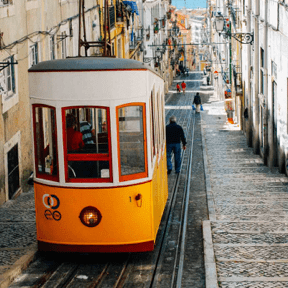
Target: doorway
{"points": [[13, 171]]}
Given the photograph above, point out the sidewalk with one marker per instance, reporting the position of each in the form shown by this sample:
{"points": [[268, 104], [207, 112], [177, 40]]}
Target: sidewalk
{"points": [[248, 209], [17, 236]]}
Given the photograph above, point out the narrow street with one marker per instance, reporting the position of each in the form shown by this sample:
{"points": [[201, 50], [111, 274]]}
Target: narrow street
{"points": [[246, 210]]}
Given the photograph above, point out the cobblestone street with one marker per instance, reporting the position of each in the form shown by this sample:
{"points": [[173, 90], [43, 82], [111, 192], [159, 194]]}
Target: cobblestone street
{"points": [[18, 236], [248, 213]]}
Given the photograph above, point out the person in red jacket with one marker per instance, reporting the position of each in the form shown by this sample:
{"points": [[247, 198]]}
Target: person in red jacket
{"points": [[178, 88], [74, 138], [183, 85]]}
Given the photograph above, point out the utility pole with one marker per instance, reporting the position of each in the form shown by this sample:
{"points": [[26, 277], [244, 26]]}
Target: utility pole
{"points": [[230, 55], [106, 44]]}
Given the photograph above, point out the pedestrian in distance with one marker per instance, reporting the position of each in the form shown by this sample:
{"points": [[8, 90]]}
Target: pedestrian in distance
{"points": [[208, 80], [174, 136], [197, 102], [178, 88], [183, 85]]}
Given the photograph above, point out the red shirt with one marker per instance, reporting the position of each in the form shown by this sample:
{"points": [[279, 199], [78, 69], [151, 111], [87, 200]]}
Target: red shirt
{"points": [[178, 86], [74, 140], [183, 85]]}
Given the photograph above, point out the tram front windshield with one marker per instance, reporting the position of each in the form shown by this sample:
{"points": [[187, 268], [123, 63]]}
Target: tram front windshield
{"points": [[87, 134]]}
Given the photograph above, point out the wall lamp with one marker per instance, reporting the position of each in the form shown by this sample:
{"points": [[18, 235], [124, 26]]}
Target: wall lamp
{"points": [[244, 38]]}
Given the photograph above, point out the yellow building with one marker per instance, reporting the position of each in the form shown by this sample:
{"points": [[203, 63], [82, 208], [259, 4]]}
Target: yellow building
{"points": [[124, 28]]}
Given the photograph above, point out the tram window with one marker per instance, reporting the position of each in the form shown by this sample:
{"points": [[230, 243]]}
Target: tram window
{"points": [[132, 149], [45, 142], [88, 169], [162, 119], [152, 127], [87, 144], [159, 134]]}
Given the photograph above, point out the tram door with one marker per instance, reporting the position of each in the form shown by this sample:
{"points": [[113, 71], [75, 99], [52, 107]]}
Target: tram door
{"points": [[275, 141]]}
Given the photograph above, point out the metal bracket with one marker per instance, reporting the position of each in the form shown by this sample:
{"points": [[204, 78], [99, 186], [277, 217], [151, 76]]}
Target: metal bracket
{"points": [[62, 37], [4, 65], [147, 59], [244, 38]]}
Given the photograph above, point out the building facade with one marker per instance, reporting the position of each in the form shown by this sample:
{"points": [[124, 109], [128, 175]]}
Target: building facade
{"points": [[257, 74]]}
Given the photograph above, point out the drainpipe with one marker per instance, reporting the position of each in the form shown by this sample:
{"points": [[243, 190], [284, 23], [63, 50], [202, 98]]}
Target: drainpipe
{"points": [[250, 118], [268, 118], [256, 140], [210, 38]]}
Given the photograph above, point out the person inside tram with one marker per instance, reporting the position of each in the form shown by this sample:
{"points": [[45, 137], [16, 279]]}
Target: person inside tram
{"points": [[87, 132], [74, 138]]}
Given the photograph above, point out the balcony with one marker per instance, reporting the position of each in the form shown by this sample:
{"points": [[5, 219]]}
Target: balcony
{"points": [[112, 16], [119, 12]]}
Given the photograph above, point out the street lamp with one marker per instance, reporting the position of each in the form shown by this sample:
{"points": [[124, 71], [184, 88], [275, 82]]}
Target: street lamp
{"points": [[244, 38], [219, 23], [158, 53]]}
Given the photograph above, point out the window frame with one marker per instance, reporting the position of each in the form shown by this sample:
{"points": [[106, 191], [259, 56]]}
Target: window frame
{"points": [[40, 175], [52, 47], [87, 157], [34, 57], [63, 45], [140, 175], [10, 78], [5, 3], [262, 71], [152, 119]]}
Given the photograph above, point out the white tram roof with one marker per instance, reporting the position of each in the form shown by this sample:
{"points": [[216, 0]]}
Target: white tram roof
{"points": [[117, 82], [90, 64]]}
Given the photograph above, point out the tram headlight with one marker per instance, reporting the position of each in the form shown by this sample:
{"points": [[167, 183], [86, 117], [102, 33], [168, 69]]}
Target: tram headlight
{"points": [[90, 216]]}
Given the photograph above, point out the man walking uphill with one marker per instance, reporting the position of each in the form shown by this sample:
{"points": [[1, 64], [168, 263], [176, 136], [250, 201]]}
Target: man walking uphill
{"points": [[174, 135]]}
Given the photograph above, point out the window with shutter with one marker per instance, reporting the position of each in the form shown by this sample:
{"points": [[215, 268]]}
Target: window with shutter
{"points": [[8, 84], [9, 78]]}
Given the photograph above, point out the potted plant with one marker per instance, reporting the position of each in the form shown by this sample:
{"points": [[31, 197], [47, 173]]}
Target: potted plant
{"points": [[156, 28]]}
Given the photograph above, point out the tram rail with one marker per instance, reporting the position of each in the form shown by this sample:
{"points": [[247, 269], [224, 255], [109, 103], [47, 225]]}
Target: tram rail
{"points": [[172, 204]]}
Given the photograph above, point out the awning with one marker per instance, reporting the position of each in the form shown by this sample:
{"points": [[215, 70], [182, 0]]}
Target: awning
{"points": [[133, 6]]}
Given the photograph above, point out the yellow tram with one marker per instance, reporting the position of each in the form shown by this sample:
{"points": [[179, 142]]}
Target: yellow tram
{"points": [[100, 175]]}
